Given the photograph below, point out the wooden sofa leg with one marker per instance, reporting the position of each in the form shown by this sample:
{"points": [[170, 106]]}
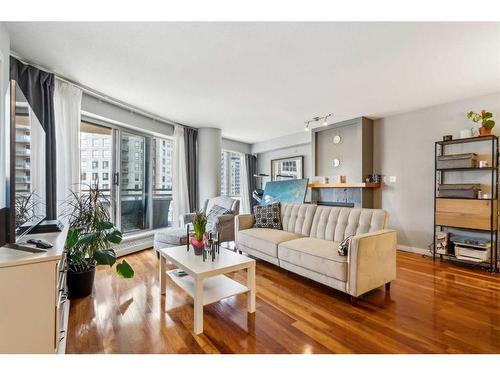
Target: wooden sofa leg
{"points": [[354, 301], [388, 286]]}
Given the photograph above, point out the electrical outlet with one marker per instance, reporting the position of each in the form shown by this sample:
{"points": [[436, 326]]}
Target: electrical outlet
{"points": [[392, 179]]}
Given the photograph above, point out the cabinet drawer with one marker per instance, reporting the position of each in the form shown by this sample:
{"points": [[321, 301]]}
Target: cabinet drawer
{"points": [[466, 213]]}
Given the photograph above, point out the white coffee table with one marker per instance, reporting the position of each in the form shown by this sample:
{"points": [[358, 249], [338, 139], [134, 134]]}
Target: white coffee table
{"points": [[205, 281]]}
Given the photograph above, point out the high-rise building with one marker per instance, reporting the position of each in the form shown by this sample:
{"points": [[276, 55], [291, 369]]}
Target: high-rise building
{"points": [[96, 159], [23, 154]]}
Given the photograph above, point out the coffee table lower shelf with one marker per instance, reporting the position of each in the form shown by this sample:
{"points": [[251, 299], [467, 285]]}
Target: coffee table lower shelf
{"points": [[215, 288]]}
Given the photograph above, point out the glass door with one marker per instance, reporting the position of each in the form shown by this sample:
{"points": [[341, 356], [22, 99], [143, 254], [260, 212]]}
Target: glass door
{"points": [[133, 182]]}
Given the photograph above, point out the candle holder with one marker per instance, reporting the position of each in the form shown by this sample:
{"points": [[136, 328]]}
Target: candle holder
{"points": [[211, 246]]}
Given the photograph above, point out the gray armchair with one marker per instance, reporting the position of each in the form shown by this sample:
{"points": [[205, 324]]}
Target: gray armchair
{"points": [[224, 223]]}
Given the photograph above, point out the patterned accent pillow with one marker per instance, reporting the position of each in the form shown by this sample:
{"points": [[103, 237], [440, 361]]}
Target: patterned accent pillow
{"points": [[268, 216], [344, 246], [214, 214]]}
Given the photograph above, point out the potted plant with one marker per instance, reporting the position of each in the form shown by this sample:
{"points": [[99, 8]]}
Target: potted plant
{"points": [[486, 120], [199, 226], [89, 241]]}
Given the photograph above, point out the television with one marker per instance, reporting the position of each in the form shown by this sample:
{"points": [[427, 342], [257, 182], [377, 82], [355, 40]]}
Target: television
{"points": [[27, 194]]}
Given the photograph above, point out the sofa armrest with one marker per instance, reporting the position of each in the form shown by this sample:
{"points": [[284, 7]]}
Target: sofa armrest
{"points": [[371, 261], [225, 227], [242, 222]]}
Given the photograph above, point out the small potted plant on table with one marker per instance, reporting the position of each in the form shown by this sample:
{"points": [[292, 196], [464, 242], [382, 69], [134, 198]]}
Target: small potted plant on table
{"points": [[486, 120], [199, 226], [90, 240]]}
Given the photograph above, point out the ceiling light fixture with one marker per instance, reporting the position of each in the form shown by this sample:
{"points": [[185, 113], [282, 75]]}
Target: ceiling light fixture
{"points": [[324, 121]]}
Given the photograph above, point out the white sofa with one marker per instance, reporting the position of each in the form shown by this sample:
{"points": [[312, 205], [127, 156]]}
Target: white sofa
{"points": [[308, 245]]}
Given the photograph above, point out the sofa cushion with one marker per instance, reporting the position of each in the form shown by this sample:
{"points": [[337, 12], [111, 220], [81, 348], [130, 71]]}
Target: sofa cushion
{"points": [[268, 216], [316, 255], [264, 240], [171, 236], [338, 223], [297, 218]]}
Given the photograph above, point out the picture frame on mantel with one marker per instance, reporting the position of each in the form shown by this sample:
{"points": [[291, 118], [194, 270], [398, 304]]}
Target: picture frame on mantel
{"points": [[287, 168]]}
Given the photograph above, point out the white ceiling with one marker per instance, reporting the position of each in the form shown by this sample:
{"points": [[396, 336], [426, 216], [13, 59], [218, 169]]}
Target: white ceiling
{"points": [[258, 81]]}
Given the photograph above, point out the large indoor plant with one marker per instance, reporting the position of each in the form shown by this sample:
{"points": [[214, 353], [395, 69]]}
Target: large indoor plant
{"points": [[90, 240], [199, 227], [486, 120]]}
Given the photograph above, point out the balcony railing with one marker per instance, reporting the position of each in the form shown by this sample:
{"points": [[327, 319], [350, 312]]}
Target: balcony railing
{"points": [[23, 139], [23, 151], [133, 208]]}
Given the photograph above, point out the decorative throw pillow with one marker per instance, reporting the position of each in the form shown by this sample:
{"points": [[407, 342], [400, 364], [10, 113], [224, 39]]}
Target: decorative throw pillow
{"points": [[344, 246], [214, 214], [268, 216]]}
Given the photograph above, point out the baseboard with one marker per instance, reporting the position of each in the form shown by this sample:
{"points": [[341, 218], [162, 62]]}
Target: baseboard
{"points": [[416, 250]]}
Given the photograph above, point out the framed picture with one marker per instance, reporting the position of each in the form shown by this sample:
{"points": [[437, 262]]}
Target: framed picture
{"points": [[290, 168]]}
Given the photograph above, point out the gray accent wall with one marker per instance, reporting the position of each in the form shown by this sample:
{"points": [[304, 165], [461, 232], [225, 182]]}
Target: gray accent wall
{"points": [[404, 148]]}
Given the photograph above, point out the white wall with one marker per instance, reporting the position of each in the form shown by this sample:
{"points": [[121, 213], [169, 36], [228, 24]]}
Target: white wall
{"points": [[209, 150], [404, 147], [112, 112], [290, 145], [4, 116], [236, 146]]}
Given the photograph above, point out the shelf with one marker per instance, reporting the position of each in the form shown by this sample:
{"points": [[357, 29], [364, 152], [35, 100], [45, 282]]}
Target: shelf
{"points": [[465, 169], [466, 228], [361, 185], [470, 199], [467, 140]]}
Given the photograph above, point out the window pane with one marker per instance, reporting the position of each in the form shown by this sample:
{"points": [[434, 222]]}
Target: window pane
{"points": [[94, 141], [162, 154], [134, 183], [230, 173]]}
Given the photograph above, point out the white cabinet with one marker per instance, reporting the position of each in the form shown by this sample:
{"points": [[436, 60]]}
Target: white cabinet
{"points": [[33, 299]]}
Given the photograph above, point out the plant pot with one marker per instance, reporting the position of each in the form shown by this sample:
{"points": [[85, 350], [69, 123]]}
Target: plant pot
{"points": [[198, 246], [80, 284], [484, 131]]}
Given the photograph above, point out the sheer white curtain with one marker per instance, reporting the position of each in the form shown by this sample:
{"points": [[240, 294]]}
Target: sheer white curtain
{"points": [[245, 189], [180, 192], [67, 116]]}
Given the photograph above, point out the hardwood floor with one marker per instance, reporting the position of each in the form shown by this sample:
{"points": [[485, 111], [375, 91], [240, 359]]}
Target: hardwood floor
{"points": [[431, 308]]}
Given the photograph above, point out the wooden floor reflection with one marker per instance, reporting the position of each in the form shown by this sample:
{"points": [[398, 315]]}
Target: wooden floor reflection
{"points": [[432, 308]]}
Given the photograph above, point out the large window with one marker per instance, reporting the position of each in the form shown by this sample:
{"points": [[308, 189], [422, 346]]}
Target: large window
{"points": [[230, 173], [129, 168]]}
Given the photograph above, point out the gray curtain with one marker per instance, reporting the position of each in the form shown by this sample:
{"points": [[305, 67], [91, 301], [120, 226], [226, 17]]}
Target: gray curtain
{"points": [[251, 170], [38, 89], [191, 144]]}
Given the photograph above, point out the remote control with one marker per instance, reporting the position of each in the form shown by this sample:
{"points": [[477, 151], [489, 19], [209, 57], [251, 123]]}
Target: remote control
{"points": [[41, 244]]}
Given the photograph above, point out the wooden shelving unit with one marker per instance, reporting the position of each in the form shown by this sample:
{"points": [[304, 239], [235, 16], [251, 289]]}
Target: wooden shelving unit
{"points": [[471, 214], [362, 185]]}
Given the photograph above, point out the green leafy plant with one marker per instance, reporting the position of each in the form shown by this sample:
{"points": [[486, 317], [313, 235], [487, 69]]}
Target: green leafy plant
{"points": [[91, 234], [199, 225], [485, 118]]}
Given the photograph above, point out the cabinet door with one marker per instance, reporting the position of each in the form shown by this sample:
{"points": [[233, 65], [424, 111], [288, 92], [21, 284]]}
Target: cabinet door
{"points": [[27, 311]]}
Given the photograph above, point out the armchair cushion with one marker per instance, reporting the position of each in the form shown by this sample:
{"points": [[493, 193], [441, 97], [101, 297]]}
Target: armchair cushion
{"points": [[213, 216]]}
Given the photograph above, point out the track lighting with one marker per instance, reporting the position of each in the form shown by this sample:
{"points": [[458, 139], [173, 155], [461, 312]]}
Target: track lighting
{"points": [[324, 121]]}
